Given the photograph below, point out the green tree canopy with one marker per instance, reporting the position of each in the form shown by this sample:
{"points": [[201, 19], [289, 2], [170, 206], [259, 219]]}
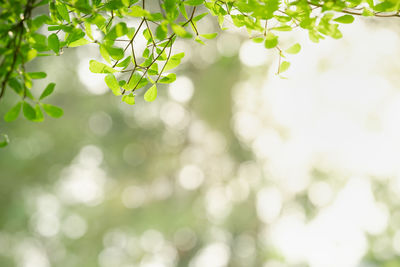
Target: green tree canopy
{"points": [[33, 28]]}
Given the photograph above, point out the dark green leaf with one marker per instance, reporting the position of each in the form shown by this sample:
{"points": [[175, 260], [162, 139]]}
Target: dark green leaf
{"points": [[5, 141]]}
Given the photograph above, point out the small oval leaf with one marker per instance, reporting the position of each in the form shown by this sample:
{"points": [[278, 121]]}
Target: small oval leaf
{"points": [[129, 99], [47, 91], [271, 40], [37, 75], [52, 111], [29, 111], [13, 113], [294, 49], [112, 83], [151, 94], [54, 43], [346, 19], [284, 66]]}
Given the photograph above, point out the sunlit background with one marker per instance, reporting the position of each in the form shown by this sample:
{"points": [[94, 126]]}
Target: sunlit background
{"points": [[232, 165]]}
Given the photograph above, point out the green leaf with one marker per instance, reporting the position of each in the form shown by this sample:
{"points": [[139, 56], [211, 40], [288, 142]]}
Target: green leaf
{"points": [[174, 61], [32, 53], [284, 66], [79, 42], [116, 53], [88, 30], [136, 82], [131, 32], [137, 11], [54, 43], [124, 63], [117, 31], [105, 54], [183, 11], [271, 40], [75, 35], [155, 17], [170, 78], [129, 99], [367, 12], [346, 19], [161, 32], [5, 141], [194, 2], [209, 35], [197, 39], [63, 11], [13, 113], [284, 28], [153, 69], [37, 75], [47, 91], [180, 31], [39, 114], [294, 49], [97, 67], [151, 94], [258, 39], [29, 111], [112, 83], [52, 111], [199, 17], [16, 85]]}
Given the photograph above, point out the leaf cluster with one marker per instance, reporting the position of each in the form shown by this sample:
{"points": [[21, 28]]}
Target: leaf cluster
{"points": [[126, 66]]}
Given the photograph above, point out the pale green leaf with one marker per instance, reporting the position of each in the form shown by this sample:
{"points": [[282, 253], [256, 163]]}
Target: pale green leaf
{"points": [[113, 84], [129, 99], [271, 40], [97, 67], [284, 66], [294, 49], [170, 78], [174, 61], [151, 93], [346, 19]]}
